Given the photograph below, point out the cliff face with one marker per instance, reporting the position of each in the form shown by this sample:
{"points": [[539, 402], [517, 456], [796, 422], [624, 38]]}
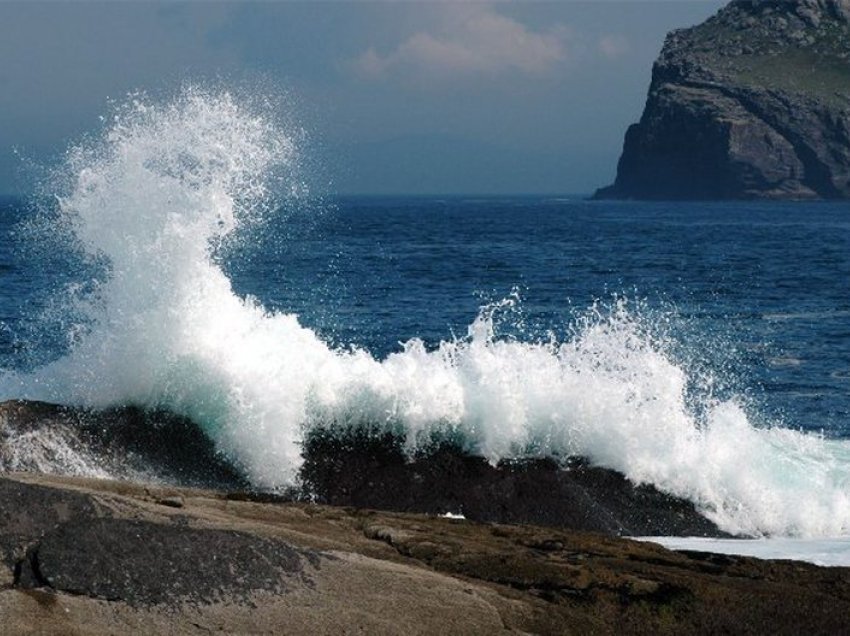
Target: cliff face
{"points": [[753, 103]]}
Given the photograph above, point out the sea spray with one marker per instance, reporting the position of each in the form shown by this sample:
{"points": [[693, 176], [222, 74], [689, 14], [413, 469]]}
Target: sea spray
{"points": [[168, 182]]}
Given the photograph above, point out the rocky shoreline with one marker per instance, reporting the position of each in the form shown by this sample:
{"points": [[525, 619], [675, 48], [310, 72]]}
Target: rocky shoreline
{"points": [[91, 556], [82, 556], [355, 469], [367, 472]]}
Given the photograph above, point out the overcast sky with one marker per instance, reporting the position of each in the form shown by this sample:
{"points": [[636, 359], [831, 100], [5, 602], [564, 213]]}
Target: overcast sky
{"points": [[397, 97]]}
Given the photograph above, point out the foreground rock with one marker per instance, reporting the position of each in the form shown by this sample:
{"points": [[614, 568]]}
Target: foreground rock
{"points": [[753, 103], [94, 556], [364, 471]]}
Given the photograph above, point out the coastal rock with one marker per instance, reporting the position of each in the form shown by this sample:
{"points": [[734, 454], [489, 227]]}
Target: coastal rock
{"points": [[753, 103], [126, 442], [7, 577], [30, 511], [361, 470], [142, 562], [217, 566], [123, 564], [374, 472]]}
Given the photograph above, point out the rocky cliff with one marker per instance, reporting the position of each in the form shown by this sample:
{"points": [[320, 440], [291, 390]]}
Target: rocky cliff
{"points": [[753, 103]]}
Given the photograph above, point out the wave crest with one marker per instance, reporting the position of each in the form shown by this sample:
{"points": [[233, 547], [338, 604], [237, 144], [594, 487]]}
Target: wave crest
{"points": [[167, 182]]}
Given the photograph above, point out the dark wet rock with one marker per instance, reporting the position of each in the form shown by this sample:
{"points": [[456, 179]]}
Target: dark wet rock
{"points": [[358, 469], [126, 442], [374, 472], [140, 562], [753, 103]]}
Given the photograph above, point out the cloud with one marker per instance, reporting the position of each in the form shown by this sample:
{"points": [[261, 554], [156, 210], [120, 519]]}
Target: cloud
{"points": [[613, 46], [472, 40]]}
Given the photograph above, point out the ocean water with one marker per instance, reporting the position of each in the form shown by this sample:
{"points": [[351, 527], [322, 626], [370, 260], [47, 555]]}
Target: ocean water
{"points": [[177, 260]]}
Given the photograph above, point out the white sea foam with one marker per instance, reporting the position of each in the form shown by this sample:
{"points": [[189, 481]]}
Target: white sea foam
{"points": [[48, 450], [166, 182], [830, 552]]}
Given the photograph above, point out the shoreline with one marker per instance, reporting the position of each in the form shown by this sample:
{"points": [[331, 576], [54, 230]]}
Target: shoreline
{"points": [[91, 556], [354, 469]]}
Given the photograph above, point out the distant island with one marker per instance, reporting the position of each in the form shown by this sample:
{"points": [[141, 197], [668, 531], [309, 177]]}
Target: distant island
{"points": [[754, 103]]}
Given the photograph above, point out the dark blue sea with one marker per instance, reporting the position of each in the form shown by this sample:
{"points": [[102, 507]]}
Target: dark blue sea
{"points": [[758, 292]]}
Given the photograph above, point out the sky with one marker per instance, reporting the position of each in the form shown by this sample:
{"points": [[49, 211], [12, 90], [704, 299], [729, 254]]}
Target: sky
{"points": [[396, 97]]}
